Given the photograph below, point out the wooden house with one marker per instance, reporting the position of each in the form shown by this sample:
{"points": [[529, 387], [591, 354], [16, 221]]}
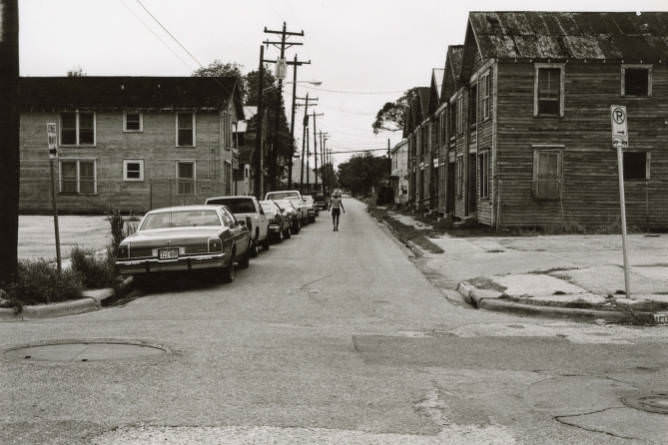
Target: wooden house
{"points": [[529, 118], [132, 143], [418, 132]]}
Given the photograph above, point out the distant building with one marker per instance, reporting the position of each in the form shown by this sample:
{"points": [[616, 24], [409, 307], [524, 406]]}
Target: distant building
{"points": [[132, 143], [399, 177]]}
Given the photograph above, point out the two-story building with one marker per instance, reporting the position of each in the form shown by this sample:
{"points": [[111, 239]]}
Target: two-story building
{"points": [[399, 176], [132, 143], [525, 105]]}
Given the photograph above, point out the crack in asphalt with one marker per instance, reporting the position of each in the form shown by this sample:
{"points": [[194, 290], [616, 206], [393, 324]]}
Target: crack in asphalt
{"points": [[561, 420], [305, 285]]}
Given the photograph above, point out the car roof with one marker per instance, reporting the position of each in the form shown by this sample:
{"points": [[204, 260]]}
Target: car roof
{"points": [[182, 208], [230, 197]]}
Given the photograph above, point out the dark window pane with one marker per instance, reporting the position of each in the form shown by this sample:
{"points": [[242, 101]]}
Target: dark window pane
{"points": [[132, 121], [86, 177], [548, 106], [86, 128], [133, 170], [635, 165], [68, 135], [68, 175], [185, 120], [185, 137], [549, 82], [636, 81], [186, 170]]}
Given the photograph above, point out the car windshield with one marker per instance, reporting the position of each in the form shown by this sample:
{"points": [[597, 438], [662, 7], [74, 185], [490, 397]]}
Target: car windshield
{"points": [[180, 218], [236, 205], [285, 204], [268, 207], [284, 195], [308, 198]]}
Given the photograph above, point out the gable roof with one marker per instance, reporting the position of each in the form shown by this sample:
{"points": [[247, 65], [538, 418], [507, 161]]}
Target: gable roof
{"points": [[423, 98], [129, 92], [571, 35], [453, 68], [436, 85]]}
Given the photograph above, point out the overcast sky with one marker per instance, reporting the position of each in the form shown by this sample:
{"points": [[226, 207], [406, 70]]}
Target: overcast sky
{"points": [[369, 50]]}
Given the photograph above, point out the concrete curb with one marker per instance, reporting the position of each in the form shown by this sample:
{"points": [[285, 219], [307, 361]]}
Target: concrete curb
{"points": [[477, 298], [92, 300]]}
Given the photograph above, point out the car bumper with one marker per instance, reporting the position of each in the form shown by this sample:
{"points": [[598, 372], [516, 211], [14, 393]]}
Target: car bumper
{"points": [[145, 266], [274, 228]]}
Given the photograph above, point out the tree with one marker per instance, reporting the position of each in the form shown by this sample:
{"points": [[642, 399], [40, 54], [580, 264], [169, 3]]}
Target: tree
{"points": [[363, 172], [328, 176], [76, 71], [219, 69], [391, 116]]}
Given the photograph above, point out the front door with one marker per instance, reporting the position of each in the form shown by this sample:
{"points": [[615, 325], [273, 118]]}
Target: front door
{"points": [[472, 189]]}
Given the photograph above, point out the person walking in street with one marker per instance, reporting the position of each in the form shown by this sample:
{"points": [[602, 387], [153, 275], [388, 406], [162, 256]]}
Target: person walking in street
{"points": [[336, 206]]}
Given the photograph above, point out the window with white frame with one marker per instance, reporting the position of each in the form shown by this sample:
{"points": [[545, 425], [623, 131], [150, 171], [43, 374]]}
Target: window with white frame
{"points": [[549, 89], [485, 93], [185, 129], [460, 114], [226, 123], [547, 173], [133, 122], [77, 128], [78, 176], [483, 172], [473, 105], [636, 80], [185, 177], [133, 170]]}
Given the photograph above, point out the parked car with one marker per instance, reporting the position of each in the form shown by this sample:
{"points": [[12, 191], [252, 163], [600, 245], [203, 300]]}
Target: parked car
{"points": [[293, 214], [185, 238], [295, 197], [248, 210], [279, 221], [312, 211], [321, 201]]}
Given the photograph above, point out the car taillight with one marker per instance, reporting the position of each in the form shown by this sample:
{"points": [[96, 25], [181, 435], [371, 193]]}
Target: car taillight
{"points": [[215, 245], [123, 252]]}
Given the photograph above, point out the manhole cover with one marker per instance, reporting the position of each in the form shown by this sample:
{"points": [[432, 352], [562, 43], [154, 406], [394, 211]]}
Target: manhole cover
{"points": [[84, 350], [653, 403]]}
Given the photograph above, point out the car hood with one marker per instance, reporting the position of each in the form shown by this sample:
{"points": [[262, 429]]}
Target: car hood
{"points": [[176, 236]]}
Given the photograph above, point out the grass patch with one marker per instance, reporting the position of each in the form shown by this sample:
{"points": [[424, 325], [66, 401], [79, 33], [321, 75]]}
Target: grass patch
{"points": [[38, 282]]}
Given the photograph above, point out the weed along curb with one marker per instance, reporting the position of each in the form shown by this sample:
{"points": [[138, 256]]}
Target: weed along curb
{"points": [[92, 300]]}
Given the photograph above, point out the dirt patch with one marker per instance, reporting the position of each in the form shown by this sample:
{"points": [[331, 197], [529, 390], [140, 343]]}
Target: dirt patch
{"points": [[486, 283], [404, 232]]}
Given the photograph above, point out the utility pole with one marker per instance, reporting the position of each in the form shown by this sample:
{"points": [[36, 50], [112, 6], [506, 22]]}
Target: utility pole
{"points": [[307, 101], [323, 157], [389, 157], [315, 145], [280, 74], [257, 160], [295, 64], [9, 139]]}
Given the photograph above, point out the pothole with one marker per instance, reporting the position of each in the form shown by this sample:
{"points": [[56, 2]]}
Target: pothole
{"points": [[84, 350], [652, 403]]}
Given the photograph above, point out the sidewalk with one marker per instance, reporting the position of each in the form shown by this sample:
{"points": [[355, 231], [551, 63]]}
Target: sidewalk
{"points": [[575, 276]]}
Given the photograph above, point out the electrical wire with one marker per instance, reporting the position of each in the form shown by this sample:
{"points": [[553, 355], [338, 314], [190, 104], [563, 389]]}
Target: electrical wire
{"points": [[170, 34], [352, 92], [156, 35]]}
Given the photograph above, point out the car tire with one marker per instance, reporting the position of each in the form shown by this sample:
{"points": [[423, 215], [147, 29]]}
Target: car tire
{"points": [[229, 272], [244, 261], [252, 248]]}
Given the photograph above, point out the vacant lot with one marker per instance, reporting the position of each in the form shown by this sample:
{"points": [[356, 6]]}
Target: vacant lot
{"points": [[37, 238]]}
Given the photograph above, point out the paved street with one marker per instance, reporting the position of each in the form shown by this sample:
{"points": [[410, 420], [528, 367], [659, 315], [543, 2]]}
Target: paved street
{"points": [[331, 337]]}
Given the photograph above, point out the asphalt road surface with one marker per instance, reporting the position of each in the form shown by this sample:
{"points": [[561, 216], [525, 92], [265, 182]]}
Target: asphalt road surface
{"points": [[330, 337]]}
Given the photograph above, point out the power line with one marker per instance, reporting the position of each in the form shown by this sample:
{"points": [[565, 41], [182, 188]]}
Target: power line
{"points": [[354, 92], [155, 34], [170, 34], [367, 150]]}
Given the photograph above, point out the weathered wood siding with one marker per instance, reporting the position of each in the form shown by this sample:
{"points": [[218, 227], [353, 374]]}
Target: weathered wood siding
{"points": [[156, 146], [590, 191]]}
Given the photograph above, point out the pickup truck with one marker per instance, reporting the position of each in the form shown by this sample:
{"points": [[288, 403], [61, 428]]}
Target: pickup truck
{"points": [[249, 211], [296, 198]]}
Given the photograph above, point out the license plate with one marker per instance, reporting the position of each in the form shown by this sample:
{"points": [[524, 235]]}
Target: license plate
{"points": [[169, 254]]}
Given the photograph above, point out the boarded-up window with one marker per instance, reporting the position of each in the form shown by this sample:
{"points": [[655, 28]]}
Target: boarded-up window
{"points": [[636, 166], [547, 174], [549, 91], [185, 177], [636, 81], [483, 171], [184, 123]]}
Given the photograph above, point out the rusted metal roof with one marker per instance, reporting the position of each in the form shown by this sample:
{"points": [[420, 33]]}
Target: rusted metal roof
{"points": [[572, 35]]}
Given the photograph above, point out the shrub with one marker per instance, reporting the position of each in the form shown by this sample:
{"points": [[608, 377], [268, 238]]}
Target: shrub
{"points": [[95, 272], [38, 282], [117, 233]]}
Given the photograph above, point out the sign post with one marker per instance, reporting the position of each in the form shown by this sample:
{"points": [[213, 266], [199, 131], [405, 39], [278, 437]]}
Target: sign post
{"points": [[620, 141], [53, 154]]}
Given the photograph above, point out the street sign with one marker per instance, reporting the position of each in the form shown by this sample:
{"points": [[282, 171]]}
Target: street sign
{"points": [[620, 133], [52, 140], [281, 68]]}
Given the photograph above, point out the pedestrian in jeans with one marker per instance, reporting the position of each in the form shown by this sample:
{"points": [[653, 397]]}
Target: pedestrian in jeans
{"points": [[336, 205]]}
